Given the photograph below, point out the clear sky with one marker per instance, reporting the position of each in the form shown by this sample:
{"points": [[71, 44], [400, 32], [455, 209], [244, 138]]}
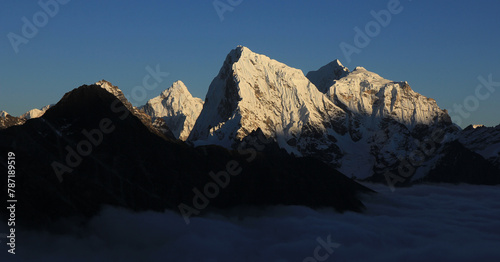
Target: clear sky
{"points": [[439, 47]]}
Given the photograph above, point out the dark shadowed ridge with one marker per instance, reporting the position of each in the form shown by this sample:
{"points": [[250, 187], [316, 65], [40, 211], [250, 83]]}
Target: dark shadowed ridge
{"points": [[135, 168]]}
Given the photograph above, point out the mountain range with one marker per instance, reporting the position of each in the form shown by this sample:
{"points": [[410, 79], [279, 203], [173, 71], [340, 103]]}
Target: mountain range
{"points": [[358, 122], [309, 137]]}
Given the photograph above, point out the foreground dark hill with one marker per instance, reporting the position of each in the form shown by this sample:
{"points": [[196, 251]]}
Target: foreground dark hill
{"points": [[89, 150]]}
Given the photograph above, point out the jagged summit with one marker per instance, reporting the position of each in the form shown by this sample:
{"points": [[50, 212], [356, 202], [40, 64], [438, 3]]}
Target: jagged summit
{"points": [[157, 127], [341, 124], [356, 121], [324, 77], [242, 50], [7, 120], [177, 86], [235, 54], [367, 93], [177, 107], [336, 62], [112, 89], [254, 91]]}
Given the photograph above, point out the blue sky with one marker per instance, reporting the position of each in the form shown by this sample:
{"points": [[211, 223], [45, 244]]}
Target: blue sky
{"points": [[439, 47]]}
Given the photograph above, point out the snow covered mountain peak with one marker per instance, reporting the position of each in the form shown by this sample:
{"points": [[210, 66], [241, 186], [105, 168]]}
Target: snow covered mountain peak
{"points": [[177, 107], [324, 77], [360, 76], [337, 62], [237, 53], [105, 84], [110, 88], [253, 91], [367, 94], [177, 87], [7, 120], [114, 90], [242, 50], [35, 113]]}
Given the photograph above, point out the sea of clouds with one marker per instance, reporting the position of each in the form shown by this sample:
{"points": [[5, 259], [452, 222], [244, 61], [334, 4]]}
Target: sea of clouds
{"points": [[421, 223]]}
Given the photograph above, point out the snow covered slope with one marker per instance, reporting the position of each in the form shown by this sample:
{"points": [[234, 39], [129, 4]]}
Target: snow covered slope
{"points": [[386, 120], [365, 93], [177, 107], [382, 98], [362, 124], [253, 91], [35, 113], [325, 77], [6, 120]]}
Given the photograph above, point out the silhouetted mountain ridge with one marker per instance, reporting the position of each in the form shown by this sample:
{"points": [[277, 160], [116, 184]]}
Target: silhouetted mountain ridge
{"points": [[132, 167]]}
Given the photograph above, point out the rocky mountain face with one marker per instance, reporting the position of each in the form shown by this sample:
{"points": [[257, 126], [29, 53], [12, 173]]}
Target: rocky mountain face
{"points": [[6, 120], [387, 122], [326, 76], [366, 94], [177, 108], [333, 120], [91, 150], [398, 128], [358, 122], [254, 92]]}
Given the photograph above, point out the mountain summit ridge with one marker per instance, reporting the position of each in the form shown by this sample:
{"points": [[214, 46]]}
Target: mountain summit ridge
{"points": [[177, 107], [253, 91], [356, 121]]}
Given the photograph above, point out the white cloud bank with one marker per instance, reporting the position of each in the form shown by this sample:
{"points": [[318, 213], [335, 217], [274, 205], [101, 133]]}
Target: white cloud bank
{"points": [[422, 223]]}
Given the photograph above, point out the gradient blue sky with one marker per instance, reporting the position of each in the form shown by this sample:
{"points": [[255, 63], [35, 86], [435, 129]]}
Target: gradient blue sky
{"points": [[439, 47]]}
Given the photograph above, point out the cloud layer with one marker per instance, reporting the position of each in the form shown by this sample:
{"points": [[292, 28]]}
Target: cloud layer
{"points": [[425, 222]]}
